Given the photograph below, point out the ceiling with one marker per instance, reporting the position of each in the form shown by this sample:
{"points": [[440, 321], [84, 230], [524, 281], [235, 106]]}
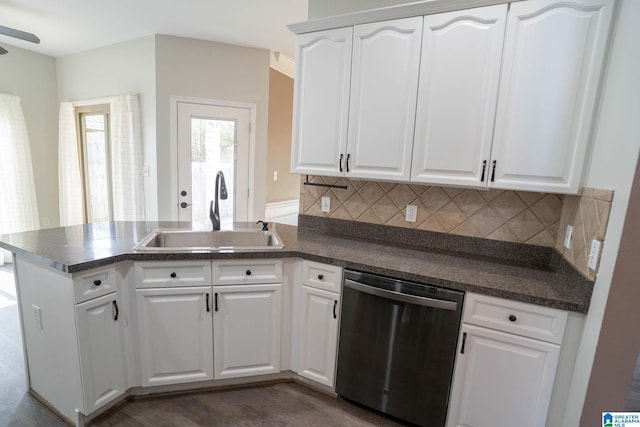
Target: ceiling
{"points": [[70, 26]]}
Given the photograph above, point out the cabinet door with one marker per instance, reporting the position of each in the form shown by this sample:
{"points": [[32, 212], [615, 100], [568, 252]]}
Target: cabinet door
{"points": [[101, 351], [459, 74], [553, 58], [176, 337], [501, 378], [247, 330], [384, 84], [321, 101], [316, 334]]}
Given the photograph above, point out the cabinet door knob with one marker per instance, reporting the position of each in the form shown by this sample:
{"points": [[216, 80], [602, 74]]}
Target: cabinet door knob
{"points": [[512, 318], [320, 277], [173, 275], [97, 282], [248, 273]]}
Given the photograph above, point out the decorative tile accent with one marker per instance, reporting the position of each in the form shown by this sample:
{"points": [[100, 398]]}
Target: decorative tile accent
{"points": [[518, 217], [589, 215]]}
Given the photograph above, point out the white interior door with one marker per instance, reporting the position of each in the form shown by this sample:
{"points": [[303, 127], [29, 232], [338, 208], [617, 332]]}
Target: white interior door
{"points": [[212, 138]]}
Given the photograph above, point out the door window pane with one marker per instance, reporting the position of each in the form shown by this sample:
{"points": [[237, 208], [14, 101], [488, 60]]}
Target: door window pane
{"points": [[212, 150], [96, 167]]}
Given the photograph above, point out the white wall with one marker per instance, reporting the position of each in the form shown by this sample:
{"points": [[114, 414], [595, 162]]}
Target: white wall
{"points": [[613, 162], [202, 69], [32, 77], [127, 67]]}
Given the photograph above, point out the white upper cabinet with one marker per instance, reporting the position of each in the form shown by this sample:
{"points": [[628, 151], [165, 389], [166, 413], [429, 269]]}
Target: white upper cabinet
{"points": [[459, 76], [384, 87], [553, 55], [501, 96], [321, 101]]}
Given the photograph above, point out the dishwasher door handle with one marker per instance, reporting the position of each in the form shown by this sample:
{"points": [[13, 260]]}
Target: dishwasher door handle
{"points": [[397, 296]]}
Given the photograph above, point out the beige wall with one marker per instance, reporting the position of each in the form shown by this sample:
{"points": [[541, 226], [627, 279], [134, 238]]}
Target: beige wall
{"points": [[321, 8], [202, 69], [287, 187], [32, 77], [127, 67]]}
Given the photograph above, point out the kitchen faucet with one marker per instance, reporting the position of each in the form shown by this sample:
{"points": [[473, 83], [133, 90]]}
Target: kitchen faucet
{"points": [[214, 211]]}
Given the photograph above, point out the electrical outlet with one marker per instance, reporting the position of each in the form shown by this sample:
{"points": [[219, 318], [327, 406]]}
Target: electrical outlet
{"points": [[567, 237], [37, 316], [412, 213], [275, 175], [46, 221], [326, 204], [593, 254], [145, 171]]}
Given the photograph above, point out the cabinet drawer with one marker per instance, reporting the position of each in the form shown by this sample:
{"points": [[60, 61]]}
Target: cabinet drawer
{"points": [[94, 283], [528, 320], [156, 274], [238, 272], [322, 276]]}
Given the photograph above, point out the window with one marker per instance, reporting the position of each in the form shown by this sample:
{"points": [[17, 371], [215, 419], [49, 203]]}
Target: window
{"points": [[94, 149], [100, 161]]}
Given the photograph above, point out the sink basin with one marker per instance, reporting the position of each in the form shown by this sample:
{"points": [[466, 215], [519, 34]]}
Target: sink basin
{"points": [[219, 241]]}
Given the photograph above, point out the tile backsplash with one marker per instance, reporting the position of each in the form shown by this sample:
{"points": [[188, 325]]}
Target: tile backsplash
{"points": [[589, 215], [512, 216]]}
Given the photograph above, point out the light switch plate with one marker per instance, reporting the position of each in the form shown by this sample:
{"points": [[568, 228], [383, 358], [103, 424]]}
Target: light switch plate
{"points": [[326, 204], [593, 254], [412, 213], [567, 237]]}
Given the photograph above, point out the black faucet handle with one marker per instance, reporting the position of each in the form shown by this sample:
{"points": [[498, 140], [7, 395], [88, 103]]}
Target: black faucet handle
{"points": [[265, 225]]}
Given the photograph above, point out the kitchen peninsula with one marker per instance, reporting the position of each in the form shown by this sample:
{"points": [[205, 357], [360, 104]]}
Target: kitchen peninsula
{"points": [[90, 276]]}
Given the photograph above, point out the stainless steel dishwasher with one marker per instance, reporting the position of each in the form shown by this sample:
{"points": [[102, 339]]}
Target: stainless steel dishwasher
{"points": [[397, 346]]}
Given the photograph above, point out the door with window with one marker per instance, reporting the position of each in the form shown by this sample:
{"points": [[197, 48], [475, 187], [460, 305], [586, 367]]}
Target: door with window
{"points": [[94, 144], [212, 139]]}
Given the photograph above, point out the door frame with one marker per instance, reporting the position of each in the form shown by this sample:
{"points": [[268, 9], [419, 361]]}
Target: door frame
{"points": [[173, 153]]}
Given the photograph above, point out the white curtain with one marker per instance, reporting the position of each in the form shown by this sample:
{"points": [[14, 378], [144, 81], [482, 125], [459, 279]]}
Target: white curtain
{"points": [[69, 177], [18, 204], [126, 161]]}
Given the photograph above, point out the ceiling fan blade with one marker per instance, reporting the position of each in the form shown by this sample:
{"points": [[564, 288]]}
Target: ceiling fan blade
{"points": [[3, 51], [22, 35]]}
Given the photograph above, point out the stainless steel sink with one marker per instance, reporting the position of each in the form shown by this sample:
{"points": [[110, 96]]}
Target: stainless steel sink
{"points": [[214, 241]]}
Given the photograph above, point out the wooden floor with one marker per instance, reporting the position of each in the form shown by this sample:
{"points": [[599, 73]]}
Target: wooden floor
{"points": [[633, 400], [282, 404]]}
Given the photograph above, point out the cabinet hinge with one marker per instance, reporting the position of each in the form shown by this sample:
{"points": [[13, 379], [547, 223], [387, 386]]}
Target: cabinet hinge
{"points": [[464, 340]]}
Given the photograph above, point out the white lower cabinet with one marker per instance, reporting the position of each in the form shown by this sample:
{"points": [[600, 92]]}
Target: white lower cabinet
{"points": [[316, 309], [100, 339], [502, 376], [175, 335], [316, 342], [247, 330]]}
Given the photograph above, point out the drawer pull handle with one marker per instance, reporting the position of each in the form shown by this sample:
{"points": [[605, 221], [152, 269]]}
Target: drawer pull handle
{"points": [[215, 301], [173, 275], [320, 277], [248, 273], [335, 303], [97, 282], [117, 312], [207, 299], [512, 318]]}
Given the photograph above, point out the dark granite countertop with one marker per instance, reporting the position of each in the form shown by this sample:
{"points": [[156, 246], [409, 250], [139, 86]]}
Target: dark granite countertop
{"points": [[528, 274]]}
